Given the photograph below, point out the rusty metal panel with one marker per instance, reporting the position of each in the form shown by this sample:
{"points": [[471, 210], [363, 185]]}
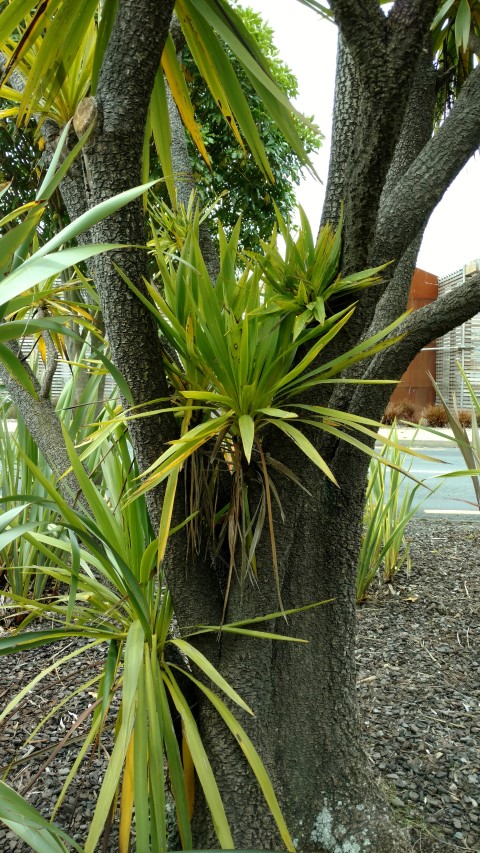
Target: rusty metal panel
{"points": [[415, 384], [424, 288]]}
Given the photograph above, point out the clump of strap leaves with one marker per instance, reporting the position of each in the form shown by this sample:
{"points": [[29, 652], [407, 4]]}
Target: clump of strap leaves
{"points": [[235, 371]]}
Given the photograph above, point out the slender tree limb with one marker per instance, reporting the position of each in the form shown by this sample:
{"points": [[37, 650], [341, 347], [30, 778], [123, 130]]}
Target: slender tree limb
{"points": [[127, 76], [113, 159], [51, 364], [379, 104], [363, 25], [405, 211], [343, 135], [183, 177], [418, 120], [390, 301], [384, 54], [408, 17], [422, 326]]}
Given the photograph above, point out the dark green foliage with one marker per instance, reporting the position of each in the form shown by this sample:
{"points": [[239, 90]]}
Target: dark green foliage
{"points": [[21, 163], [250, 194], [456, 43], [18, 162]]}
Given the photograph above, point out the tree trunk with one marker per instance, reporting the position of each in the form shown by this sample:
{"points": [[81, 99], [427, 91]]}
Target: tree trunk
{"points": [[307, 726], [332, 800]]}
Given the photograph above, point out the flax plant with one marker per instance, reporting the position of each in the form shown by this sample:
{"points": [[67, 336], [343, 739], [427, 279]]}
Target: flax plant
{"points": [[390, 504], [29, 825], [110, 594], [21, 567]]}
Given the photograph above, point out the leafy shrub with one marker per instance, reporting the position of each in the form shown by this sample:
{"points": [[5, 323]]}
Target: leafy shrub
{"points": [[435, 416], [401, 410]]}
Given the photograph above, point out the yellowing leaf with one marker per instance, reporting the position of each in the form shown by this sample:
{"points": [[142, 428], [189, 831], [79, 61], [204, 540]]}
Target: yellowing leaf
{"points": [[126, 803], [178, 88], [188, 774], [246, 426]]}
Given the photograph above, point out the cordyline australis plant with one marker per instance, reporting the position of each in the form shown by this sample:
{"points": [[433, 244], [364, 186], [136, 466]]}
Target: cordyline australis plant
{"points": [[232, 362], [103, 590], [306, 277]]}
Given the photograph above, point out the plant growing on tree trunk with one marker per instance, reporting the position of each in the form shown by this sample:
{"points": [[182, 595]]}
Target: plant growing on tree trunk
{"points": [[389, 172]]}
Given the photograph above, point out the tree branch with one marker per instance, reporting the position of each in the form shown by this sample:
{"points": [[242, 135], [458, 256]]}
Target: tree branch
{"points": [[418, 120], [422, 326], [183, 177], [114, 164], [363, 25], [385, 57], [405, 211], [408, 24], [343, 134], [416, 132]]}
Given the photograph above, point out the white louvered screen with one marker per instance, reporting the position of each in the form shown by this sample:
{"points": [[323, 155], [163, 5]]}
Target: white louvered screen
{"points": [[460, 345]]}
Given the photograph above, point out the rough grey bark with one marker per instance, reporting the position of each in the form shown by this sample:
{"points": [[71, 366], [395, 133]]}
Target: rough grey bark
{"points": [[112, 159], [343, 135], [417, 123], [381, 305], [306, 727], [385, 53], [431, 173], [345, 809], [184, 182]]}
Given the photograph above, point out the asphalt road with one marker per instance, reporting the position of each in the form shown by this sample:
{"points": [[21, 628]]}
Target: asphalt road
{"points": [[454, 496]]}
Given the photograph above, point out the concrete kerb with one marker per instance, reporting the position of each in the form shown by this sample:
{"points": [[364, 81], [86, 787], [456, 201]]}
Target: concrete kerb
{"points": [[409, 436]]}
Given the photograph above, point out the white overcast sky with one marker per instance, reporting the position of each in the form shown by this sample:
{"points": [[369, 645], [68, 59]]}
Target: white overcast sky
{"points": [[307, 43]]}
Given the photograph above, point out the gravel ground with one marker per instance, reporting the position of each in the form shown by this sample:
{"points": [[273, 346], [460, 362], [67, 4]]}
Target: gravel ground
{"points": [[419, 689], [419, 684]]}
